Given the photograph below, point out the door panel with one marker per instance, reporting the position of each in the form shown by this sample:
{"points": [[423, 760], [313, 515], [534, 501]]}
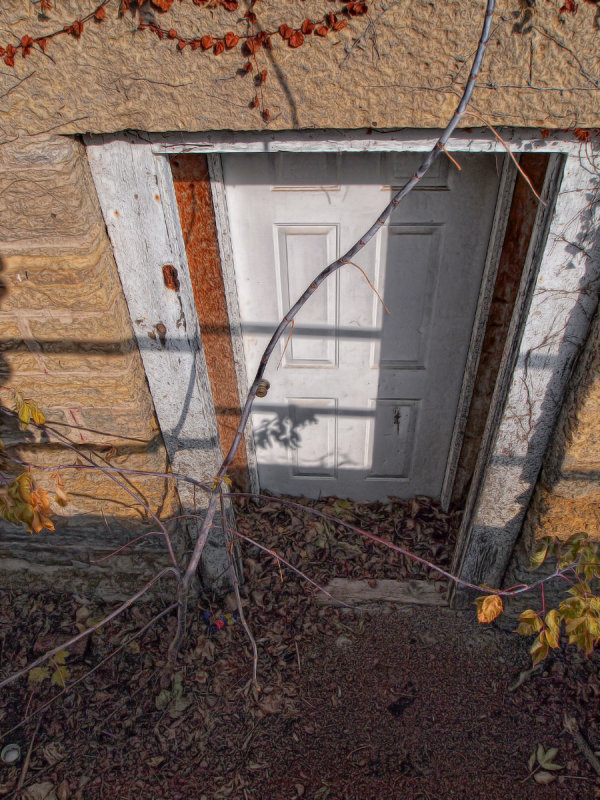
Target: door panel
{"points": [[363, 402]]}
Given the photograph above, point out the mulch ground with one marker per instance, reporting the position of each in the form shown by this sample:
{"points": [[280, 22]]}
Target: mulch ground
{"points": [[413, 703]]}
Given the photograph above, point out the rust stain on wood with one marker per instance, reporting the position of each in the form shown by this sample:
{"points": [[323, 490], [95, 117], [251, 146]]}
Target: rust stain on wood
{"points": [[512, 259], [192, 190]]}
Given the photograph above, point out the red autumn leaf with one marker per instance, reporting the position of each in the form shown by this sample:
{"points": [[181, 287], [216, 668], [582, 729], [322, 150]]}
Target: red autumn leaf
{"points": [[331, 19], [296, 39], [252, 46], [247, 67], [340, 24], [231, 40], [10, 50], [163, 5], [230, 5], [219, 47], [581, 135], [307, 27], [263, 76], [266, 115], [250, 16], [77, 28], [26, 45], [100, 13], [570, 7], [2, 51], [321, 30], [285, 31], [9, 61], [207, 42], [254, 103], [172, 34], [195, 44], [181, 44], [159, 33], [544, 133]]}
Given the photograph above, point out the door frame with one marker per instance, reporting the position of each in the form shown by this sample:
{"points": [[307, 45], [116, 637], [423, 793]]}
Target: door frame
{"points": [[548, 328]]}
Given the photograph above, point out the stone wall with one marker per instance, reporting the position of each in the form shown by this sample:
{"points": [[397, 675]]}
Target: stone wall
{"points": [[399, 66], [66, 342]]}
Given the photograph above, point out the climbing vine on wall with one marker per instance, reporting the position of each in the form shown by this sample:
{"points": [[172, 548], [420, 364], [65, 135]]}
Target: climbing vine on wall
{"points": [[249, 37]]}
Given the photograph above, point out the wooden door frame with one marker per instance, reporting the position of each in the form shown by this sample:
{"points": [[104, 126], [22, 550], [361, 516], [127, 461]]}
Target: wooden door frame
{"points": [[548, 329]]}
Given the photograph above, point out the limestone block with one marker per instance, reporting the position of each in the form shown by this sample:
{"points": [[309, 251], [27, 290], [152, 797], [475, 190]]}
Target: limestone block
{"points": [[83, 281], [80, 390], [76, 342], [15, 355]]}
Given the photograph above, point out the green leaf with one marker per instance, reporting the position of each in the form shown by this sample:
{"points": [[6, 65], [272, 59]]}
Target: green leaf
{"points": [[541, 552]]}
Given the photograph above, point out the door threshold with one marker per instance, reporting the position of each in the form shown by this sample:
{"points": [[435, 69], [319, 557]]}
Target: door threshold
{"points": [[411, 592]]}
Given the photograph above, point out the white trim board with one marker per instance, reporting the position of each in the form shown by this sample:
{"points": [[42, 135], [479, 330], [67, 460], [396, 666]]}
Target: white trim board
{"points": [[131, 170]]}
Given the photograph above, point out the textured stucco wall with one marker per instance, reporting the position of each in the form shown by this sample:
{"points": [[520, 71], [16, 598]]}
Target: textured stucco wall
{"points": [[410, 59], [66, 342]]}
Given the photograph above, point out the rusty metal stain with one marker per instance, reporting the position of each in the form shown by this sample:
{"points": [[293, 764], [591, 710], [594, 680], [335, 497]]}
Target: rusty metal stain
{"points": [[194, 201], [170, 277]]}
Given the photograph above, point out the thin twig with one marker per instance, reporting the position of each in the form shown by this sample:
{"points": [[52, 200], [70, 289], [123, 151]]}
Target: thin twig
{"points": [[571, 726], [509, 151], [236, 590], [27, 761]]}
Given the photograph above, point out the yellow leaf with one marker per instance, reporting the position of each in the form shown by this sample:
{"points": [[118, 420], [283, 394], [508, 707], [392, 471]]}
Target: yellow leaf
{"points": [[61, 496], [38, 674], [489, 607], [60, 676], [61, 657]]}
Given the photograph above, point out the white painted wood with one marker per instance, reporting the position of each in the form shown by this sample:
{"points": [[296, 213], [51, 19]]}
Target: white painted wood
{"points": [[233, 309], [410, 140], [136, 195], [505, 193], [364, 403], [557, 299]]}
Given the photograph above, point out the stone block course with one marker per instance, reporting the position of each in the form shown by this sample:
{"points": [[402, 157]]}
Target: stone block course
{"points": [[66, 341]]}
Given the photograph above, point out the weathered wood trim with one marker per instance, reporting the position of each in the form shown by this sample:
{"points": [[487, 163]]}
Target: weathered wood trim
{"points": [[503, 204], [550, 324], [356, 592], [227, 269], [136, 195], [480, 140]]}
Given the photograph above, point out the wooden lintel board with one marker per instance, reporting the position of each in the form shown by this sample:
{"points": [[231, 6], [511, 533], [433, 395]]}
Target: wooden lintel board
{"points": [[356, 592]]}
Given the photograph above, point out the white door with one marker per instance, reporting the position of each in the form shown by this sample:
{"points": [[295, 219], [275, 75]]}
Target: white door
{"points": [[364, 402]]}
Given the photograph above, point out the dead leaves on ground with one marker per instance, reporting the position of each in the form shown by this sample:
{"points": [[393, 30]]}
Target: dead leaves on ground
{"points": [[542, 773]]}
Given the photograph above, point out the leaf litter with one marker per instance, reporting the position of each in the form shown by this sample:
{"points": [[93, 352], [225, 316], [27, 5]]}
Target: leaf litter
{"points": [[413, 703]]}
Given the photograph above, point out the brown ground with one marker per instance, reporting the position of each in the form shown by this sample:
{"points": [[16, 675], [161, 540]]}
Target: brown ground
{"points": [[412, 704]]}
